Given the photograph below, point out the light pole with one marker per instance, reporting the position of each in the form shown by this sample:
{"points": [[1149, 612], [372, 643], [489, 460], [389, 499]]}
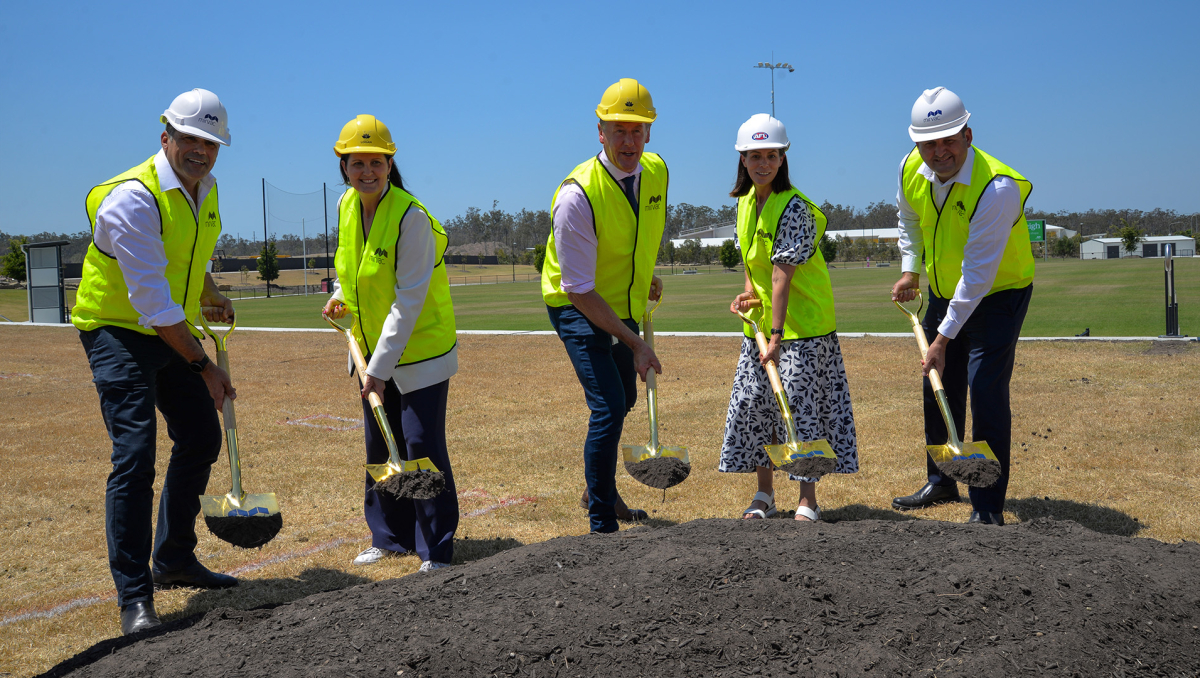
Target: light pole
{"points": [[513, 257], [773, 66]]}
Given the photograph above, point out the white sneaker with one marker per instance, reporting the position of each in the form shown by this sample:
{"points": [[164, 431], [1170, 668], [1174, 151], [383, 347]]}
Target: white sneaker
{"points": [[369, 556], [431, 565]]}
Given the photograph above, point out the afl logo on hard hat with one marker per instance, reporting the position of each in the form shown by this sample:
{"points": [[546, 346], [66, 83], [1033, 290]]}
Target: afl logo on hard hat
{"points": [[759, 136]]}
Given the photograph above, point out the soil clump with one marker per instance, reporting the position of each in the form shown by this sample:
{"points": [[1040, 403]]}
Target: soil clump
{"points": [[248, 532], [659, 472], [724, 598], [412, 485], [810, 467], [973, 472]]}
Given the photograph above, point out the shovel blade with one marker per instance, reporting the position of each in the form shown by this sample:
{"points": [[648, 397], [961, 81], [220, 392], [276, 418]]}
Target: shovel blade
{"points": [[247, 505], [811, 459], [974, 464], [636, 453], [381, 472]]}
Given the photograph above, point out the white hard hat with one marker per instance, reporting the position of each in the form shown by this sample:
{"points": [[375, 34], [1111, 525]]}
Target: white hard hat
{"points": [[761, 131], [938, 113], [199, 112]]}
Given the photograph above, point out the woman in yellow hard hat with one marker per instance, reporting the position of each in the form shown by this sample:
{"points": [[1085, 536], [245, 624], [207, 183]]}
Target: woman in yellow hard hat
{"points": [[391, 277], [778, 229]]}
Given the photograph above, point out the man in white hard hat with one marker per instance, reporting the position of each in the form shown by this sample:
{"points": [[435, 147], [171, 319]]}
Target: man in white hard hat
{"points": [[609, 215], [154, 228], [965, 212]]}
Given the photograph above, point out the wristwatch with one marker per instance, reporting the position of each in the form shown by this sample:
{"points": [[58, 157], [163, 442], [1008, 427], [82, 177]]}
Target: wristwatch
{"points": [[776, 330], [199, 365]]}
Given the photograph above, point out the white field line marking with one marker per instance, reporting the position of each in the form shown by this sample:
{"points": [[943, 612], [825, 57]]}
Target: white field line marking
{"points": [[93, 599], [303, 421]]}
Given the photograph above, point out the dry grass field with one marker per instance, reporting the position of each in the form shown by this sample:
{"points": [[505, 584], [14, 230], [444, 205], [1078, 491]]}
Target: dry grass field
{"points": [[1104, 434]]}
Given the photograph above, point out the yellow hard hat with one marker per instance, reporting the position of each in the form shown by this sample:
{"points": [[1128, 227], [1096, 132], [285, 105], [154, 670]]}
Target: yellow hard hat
{"points": [[626, 101], [365, 134]]}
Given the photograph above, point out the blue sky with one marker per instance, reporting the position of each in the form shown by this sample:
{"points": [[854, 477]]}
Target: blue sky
{"points": [[1095, 102]]}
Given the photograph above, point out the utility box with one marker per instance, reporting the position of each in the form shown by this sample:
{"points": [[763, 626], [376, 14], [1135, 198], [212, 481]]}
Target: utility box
{"points": [[326, 284], [44, 274]]}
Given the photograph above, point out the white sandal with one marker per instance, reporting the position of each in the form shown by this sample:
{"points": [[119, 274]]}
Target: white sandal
{"points": [[768, 499], [813, 515]]}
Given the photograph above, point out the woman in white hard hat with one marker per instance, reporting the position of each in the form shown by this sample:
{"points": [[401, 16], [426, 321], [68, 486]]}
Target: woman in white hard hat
{"points": [[778, 229], [392, 278]]}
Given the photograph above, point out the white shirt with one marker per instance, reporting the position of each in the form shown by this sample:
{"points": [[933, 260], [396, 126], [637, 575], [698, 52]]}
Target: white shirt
{"points": [[416, 255], [987, 235], [128, 227], [575, 231]]}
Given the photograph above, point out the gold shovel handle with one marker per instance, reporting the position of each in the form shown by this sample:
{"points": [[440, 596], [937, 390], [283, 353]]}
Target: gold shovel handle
{"points": [[228, 417], [934, 378], [761, 340], [360, 365]]}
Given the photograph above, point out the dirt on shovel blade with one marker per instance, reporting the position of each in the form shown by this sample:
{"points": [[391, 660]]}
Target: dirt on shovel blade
{"points": [[659, 472], [973, 472], [810, 467], [912, 598], [412, 485], [247, 532]]}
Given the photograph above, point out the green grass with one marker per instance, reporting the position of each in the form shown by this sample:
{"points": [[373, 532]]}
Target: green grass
{"points": [[1113, 298]]}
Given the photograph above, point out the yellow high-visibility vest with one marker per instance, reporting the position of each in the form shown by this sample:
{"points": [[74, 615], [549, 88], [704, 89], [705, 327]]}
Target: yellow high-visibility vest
{"points": [[103, 296], [626, 244], [367, 275], [945, 230], [810, 296]]}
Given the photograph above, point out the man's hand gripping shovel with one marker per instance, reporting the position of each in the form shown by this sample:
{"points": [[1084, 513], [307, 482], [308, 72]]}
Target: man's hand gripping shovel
{"points": [[809, 459], [416, 479], [659, 466], [244, 520], [970, 463]]}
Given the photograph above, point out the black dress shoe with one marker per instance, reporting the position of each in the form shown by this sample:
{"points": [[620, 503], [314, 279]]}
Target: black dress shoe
{"points": [[986, 518], [138, 616], [194, 575], [930, 495]]}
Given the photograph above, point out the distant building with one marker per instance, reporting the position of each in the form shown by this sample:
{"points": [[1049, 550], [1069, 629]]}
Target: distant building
{"points": [[1148, 247]]}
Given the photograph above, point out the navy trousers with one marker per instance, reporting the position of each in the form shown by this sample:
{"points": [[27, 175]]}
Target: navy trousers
{"points": [[418, 420], [979, 359], [133, 374], [609, 380]]}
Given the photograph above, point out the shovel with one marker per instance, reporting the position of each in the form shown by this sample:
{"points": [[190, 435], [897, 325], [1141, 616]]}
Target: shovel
{"points": [[808, 459], [970, 463], [416, 479], [244, 520], [659, 466]]}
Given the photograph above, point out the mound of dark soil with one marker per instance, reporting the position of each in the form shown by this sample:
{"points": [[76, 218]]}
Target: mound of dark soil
{"points": [[726, 597], [412, 485], [248, 532], [659, 472]]}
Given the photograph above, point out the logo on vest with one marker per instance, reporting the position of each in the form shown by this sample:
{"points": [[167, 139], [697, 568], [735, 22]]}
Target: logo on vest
{"points": [[211, 222], [379, 256], [961, 209], [932, 114], [759, 136], [654, 203]]}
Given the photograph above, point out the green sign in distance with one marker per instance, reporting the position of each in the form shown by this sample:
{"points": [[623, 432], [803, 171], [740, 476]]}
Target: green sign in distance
{"points": [[1037, 230]]}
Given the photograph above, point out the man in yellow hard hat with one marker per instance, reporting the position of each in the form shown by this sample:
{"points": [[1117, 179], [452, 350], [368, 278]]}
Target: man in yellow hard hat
{"points": [[963, 211], [609, 215], [144, 282]]}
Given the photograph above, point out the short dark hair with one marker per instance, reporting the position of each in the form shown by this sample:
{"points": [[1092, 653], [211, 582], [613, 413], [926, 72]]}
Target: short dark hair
{"points": [[393, 176], [744, 184], [171, 131]]}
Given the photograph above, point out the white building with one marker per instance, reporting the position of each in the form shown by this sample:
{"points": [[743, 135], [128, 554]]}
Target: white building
{"points": [[1149, 246]]}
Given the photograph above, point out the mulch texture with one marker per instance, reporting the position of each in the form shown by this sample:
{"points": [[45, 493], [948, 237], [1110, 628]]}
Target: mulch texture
{"points": [[728, 598]]}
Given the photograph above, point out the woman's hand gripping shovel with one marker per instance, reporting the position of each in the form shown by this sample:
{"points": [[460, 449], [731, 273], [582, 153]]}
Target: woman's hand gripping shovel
{"points": [[659, 466], [244, 520], [809, 459], [970, 463], [417, 479]]}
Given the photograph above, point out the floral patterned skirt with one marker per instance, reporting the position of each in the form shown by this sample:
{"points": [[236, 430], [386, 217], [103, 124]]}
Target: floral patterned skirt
{"points": [[814, 378]]}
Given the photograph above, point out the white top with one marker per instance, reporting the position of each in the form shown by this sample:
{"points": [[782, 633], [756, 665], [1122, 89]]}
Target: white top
{"points": [[575, 232], [987, 235], [416, 255], [129, 227]]}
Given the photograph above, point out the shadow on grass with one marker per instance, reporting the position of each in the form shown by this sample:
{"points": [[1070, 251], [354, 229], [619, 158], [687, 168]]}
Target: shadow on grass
{"points": [[862, 512], [1094, 517], [467, 550], [250, 594]]}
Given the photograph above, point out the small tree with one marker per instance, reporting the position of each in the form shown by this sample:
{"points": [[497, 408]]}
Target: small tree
{"points": [[1130, 236], [669, 252], [312, 263], [13, 263], [828, 247], [268, 264], [245, 273], [729, 255], [217, 265], [539, 257]]}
